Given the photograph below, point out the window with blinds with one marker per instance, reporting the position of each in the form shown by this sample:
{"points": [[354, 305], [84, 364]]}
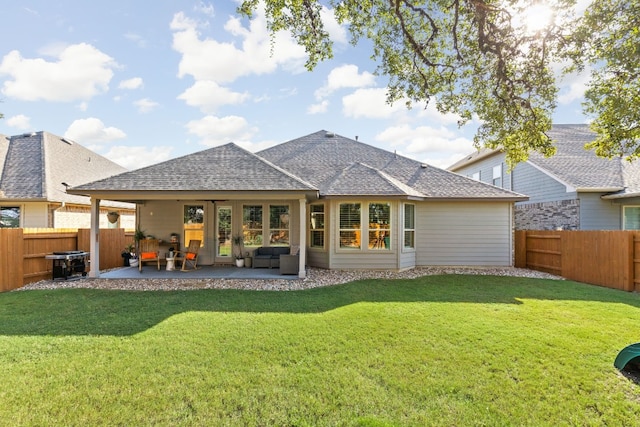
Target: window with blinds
{"points": [[350, 226]]}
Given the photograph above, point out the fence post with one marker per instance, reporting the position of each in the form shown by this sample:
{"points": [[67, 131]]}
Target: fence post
{"points": [[630, 262], [520, 249]]}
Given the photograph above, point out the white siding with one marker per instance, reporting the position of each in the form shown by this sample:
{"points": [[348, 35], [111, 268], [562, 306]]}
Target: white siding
{"points": [[465, 233]]}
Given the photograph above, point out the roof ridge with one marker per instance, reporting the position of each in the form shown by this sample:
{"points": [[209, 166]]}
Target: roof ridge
{"points": [[267, 162]]}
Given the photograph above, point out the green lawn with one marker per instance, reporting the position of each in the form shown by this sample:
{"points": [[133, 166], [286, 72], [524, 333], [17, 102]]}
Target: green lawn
{"points": [[440, 350]]}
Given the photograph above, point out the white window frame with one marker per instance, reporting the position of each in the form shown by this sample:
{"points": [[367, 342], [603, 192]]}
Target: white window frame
{"points": [[406, 248], [624, 217], [218, 254], [322, 230], [497, 175], [355, 230], [271, 230], [185, 239]]}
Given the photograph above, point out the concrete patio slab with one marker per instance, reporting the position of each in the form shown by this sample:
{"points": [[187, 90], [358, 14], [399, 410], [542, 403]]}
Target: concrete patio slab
{"points": [[204, 272]]}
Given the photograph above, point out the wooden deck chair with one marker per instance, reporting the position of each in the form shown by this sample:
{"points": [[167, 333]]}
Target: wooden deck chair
{"points": [[149, 252], [189, 258]]}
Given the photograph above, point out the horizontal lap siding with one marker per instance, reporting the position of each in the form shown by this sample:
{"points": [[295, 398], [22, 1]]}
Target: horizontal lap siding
{"points": [[464, 234], [598, 214]]}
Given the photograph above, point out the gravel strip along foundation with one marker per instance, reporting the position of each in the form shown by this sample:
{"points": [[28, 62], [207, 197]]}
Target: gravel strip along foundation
{"points": [[315, 278]]}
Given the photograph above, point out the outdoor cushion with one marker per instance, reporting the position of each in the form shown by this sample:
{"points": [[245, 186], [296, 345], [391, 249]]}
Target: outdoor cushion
{"points": [[148, 255], [269, 256]]}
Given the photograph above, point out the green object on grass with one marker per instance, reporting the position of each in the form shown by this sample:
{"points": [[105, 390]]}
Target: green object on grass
{"points": [[627, 354]]}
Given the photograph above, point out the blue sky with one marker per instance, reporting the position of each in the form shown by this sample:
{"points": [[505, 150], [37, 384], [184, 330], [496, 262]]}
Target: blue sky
{"points": [[144, 81]]}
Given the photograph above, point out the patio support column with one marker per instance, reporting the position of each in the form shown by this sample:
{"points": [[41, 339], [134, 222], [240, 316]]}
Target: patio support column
{"points": [[94, 242], [302, 273]]}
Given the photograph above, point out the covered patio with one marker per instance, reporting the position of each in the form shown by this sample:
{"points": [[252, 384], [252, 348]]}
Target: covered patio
{"points": [[212, 197]]}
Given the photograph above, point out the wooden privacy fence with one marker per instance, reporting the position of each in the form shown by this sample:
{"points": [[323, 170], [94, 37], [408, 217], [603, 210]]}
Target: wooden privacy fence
{"points": [[605, 258], [23, 251]]}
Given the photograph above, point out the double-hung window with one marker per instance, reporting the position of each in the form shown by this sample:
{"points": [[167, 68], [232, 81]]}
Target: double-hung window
{"points": [[497, 175], [379, 226], [252, 225], [316, 213], [350, 226], [279, 225], [409, 226]]}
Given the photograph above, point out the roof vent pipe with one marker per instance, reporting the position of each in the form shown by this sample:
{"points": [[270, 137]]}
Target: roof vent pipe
{"points": [[330, 134]]}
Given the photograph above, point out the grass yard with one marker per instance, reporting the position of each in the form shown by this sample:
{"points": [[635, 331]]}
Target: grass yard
{"points": [[440, 350]]}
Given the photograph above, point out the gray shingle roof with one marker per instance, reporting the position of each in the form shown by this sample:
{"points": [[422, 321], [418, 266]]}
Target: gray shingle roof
{"points": [[341, 166], [575, 165], [224, 168], [35, 165]]}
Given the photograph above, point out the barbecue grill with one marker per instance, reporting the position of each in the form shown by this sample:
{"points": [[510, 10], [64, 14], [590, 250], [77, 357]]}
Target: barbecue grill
{"points": [[69, 263]]}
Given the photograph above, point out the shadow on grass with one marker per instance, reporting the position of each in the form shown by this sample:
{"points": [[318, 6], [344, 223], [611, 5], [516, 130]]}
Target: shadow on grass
{"points": [[121, 313]]}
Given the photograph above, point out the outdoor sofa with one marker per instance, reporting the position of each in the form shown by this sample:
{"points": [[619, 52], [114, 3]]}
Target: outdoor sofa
{"points": [[269, 256]]}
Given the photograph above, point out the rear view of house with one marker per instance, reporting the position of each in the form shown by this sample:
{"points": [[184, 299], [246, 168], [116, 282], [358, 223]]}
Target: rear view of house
{"points": [[346, 204]]}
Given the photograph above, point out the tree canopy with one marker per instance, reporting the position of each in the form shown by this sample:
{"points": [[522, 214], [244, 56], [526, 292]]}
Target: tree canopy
{"points": [[482, 58]]}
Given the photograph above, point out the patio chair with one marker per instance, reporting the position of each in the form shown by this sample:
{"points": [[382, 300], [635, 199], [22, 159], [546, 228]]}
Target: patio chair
{"points": [[149, 252], [188, 258]]}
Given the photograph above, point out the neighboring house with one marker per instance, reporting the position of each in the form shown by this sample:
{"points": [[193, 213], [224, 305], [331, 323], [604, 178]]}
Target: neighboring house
{"points": [[346, 204], [35, 169], [572, 190]]}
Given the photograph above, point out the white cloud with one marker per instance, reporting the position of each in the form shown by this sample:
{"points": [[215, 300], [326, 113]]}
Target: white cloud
{"points": [[345, 76], [209, 96], [80, 73], [439, 147], [205, 8], [371, 104], [208, 59], [318, 108], [83, 106], [573, 86], [134, 83], [337, 32], [214, 131], [135, 157], [432, 114], [20, 122], [145, 105], [92, 131], [137, 39]]}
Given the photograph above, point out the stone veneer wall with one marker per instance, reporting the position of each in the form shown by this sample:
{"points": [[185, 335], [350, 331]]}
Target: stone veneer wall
{"points": [[558, 215]]}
